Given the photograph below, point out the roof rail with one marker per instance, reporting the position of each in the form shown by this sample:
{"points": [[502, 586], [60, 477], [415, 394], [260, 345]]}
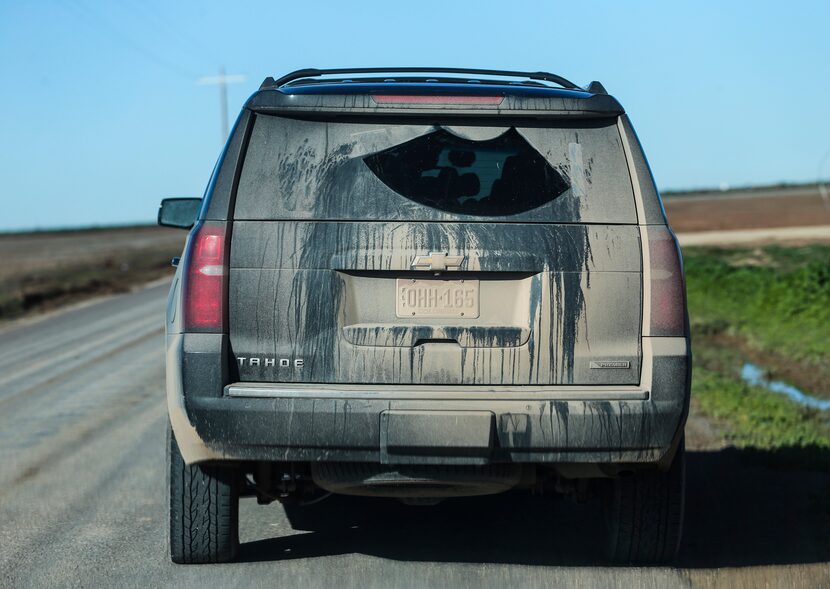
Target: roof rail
{"points": [[315, 73]]}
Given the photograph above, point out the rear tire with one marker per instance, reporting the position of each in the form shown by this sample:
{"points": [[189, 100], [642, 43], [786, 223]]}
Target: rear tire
{"points": [[203, 509], [644, 514]]}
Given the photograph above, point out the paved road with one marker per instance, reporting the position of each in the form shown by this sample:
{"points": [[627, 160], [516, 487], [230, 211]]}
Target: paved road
{"points": [[82, 422]]}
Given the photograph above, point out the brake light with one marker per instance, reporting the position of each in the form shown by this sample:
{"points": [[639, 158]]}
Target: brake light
{"points": [[668, 287], [205, 279], [427, 99]]}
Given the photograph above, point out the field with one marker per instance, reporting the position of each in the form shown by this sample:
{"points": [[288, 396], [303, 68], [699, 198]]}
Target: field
{"points": [[769, 306], [42, 270], [795, 206]]}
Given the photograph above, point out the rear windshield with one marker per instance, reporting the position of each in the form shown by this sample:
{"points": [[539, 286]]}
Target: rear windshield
{"points": [[565, 173], [500, 176]]}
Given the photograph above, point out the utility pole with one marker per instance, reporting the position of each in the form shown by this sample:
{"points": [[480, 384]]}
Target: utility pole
{"points": [[222, 80], [223, 100]]}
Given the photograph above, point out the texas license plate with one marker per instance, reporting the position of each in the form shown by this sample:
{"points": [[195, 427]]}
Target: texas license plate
{"points": [[430, 297]]}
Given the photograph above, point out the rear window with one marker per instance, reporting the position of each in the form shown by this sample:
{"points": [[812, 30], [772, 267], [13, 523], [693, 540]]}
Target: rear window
{"points": [[566, 173], [500, 176]]}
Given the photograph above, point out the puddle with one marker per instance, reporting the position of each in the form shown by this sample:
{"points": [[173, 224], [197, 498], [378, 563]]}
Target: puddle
{"points": [[754, 375]]}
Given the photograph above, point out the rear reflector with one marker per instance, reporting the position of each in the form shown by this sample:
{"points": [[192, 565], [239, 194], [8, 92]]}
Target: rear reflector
{"points": [[426, 99], [668, 287], [203, 288]]}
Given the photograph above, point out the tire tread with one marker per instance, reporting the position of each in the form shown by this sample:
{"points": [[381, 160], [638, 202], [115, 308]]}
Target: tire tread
{"points": [[645, 514], [203, 510]]}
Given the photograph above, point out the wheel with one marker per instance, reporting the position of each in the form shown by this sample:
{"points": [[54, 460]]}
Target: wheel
{"points": [[644, 514], [203, 508]]}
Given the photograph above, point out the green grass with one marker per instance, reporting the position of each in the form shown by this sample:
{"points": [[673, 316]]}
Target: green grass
{"points": [[776, 298], [756, 417], [773, 299]]}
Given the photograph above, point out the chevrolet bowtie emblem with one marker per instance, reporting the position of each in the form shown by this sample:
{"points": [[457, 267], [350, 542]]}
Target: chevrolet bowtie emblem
{"points": [[437, 261]]}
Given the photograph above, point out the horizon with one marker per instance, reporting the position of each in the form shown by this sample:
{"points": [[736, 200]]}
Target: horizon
{"points": [[666, 194]]}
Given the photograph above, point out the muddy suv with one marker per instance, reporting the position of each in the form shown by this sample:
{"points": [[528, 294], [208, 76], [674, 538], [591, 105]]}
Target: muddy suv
{"points": [[425, 284]]}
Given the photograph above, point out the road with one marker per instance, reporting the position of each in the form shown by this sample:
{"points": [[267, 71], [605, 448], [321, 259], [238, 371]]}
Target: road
{"points": [[82, 484], [746, 237]]}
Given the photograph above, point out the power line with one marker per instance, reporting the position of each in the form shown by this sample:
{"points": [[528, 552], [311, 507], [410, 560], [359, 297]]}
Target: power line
{"points": [[194, 46], [102, 25]]}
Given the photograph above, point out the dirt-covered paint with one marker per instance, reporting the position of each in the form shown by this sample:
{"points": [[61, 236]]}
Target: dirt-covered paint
{"points": [[553, 299], [560, 284]]}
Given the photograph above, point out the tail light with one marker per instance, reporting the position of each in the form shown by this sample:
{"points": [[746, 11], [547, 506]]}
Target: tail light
{"points": [[205, 278], [668, 287]]}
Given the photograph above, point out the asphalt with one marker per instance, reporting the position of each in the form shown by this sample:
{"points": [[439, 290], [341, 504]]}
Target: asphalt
{"points": [[82, 495]]}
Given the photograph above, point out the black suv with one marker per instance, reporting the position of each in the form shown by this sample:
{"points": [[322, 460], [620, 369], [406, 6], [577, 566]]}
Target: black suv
{"points": [[421, 284]]}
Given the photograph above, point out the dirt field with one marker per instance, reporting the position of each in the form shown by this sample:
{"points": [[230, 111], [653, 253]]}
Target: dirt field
{"points": [[42, 270], [747, 209], [25, 253]]}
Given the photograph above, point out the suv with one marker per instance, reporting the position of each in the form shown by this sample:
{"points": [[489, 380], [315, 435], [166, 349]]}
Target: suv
{"points": [[421, 284]]}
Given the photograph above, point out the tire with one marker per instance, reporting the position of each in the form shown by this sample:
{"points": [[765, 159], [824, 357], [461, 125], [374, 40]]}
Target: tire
{"points": [[203, 509], [644, 514]]}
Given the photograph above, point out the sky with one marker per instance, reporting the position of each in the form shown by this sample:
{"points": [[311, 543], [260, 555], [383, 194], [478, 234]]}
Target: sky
{"points": [[101, 115]]}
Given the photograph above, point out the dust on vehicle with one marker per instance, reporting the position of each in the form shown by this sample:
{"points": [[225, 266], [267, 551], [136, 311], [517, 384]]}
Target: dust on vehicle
{"points": [[403, 285]]}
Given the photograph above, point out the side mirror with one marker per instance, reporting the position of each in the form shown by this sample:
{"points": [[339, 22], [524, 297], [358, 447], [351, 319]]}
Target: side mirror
{"points": [[179, 212]]}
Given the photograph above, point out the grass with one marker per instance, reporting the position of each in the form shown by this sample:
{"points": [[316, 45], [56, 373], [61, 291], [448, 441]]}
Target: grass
{"points": [[773, 301], [776, 298], [758, 418]]}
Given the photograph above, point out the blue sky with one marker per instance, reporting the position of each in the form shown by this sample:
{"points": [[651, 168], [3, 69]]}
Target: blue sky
{"points": [[101, 115]]}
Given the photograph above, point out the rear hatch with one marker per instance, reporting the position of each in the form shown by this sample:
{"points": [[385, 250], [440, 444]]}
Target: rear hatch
{"points": [[408, 251]]}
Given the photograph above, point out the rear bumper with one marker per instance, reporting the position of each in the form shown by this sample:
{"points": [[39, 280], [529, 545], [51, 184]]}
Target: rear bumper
{"points": [[451, 425], [433, 431]]}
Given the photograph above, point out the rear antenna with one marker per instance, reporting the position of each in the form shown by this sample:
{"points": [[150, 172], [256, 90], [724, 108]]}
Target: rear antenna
{"points": [[596, 88]]}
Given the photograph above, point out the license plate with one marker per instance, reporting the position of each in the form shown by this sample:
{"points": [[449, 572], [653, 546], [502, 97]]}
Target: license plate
{"points": [[418, 297]]}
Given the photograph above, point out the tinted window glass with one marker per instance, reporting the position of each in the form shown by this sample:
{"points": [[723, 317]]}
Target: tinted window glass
{"points": [[502, 176]]}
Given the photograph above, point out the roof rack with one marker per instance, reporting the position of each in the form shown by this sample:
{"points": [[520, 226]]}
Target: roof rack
{"points": [[315, 73]]}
